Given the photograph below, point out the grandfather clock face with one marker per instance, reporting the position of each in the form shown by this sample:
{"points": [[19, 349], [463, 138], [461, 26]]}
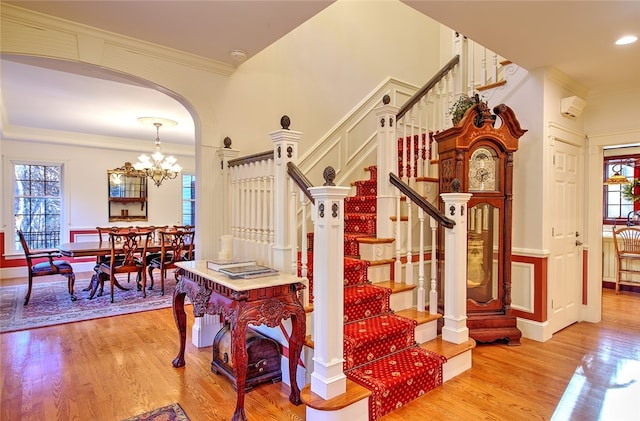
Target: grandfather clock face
{"points": [[483, 167]]}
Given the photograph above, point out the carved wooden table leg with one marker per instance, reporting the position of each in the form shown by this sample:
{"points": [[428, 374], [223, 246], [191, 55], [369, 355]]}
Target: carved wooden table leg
{"points": [[240, 359], [298, 322], [181, 322]]}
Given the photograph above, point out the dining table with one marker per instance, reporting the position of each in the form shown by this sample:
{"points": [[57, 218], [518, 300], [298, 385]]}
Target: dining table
{"points": [[97, 249]]}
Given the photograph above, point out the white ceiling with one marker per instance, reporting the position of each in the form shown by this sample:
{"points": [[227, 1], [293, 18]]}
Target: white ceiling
{"points": [[576, 37]]}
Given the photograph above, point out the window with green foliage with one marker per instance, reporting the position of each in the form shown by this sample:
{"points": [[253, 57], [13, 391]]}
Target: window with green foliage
{"points": [[37, 204], [188, 199], [621, 199]]}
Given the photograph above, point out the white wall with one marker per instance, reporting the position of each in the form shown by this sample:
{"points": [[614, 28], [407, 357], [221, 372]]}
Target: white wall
{"points": [[324, 68]]}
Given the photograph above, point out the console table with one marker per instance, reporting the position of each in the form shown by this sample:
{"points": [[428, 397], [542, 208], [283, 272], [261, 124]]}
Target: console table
{"points": [[266, 300]]}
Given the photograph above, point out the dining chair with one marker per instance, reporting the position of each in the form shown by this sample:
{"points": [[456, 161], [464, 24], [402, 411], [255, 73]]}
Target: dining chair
{"points": [[128, 253], [176, 245], [45, 268], [155, 239], [627, 245]]}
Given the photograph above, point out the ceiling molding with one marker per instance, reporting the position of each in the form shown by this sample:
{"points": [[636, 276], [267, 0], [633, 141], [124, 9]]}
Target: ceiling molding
{"points": [[42, 22]]}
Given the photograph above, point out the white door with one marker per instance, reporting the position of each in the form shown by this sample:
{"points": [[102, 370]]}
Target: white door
{"points": [[565, 274]]}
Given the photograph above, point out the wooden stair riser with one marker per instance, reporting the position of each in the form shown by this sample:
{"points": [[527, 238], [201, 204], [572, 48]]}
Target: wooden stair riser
{"points": [[374, 252], [403, 299], [379, 273], [426, 332]]}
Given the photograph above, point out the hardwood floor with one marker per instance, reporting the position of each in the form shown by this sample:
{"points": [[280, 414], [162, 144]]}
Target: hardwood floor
{"points": [[113, 368]]}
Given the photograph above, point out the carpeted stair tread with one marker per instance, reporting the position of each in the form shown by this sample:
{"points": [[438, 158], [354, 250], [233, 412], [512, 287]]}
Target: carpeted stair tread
{"points": [[369, 339], [360, 223], [360, 204], [366, 187], [364, 301], [397, 379], [352, 244]]}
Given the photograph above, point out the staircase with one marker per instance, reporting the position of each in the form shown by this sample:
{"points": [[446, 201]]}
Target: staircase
{"points": [[380, 349]]}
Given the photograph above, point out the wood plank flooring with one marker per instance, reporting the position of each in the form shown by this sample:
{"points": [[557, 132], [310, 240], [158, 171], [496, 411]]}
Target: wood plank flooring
{"points": [[113, 368]]}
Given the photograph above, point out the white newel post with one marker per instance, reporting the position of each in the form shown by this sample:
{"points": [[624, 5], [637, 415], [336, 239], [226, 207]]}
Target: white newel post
{"points": [[387, 163], [455, 269], [328, 379], [285, 149]]}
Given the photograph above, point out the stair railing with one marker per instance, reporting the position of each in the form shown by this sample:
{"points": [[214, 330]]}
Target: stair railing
{"points": [[305, 198], [438, 219], [251, 202]]}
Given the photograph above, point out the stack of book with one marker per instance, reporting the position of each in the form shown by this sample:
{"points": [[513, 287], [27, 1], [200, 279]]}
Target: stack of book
{"points": [[240, 269]]}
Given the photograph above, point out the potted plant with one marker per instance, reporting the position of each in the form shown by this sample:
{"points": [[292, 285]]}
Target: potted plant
{"points": [[460, 107], [630, 191]]}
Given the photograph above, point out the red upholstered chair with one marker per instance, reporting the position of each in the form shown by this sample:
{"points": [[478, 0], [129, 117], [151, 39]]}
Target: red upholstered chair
{"points": [[176, 246], [128, 254], [45, 268]]}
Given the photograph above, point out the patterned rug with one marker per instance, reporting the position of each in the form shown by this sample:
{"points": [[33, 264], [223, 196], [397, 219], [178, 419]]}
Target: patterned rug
{"points": [[50, 304], [173, 412]]}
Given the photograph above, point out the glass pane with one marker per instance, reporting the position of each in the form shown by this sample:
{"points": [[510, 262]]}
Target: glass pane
{"points": [[37, 172], [482, 262], [613, 211], [52, 174]]}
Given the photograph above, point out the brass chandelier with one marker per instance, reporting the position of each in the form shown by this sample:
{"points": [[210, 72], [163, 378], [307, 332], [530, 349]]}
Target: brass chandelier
{"points": [[157, 167]]}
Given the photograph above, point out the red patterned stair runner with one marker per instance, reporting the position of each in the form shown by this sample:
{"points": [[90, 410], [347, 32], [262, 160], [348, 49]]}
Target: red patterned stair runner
{"points": [[380, 352]]}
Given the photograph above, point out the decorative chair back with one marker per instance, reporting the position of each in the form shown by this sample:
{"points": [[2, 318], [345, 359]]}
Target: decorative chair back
{"points": [[25, 248], [131, 247], [177, 245], [627, 241]]}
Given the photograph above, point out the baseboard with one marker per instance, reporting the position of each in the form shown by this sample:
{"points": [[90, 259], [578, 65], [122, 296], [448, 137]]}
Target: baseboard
{"points": [[537, 331]]}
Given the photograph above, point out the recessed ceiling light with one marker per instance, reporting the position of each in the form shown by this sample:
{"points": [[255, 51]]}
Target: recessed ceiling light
{"points": [[627, 40]]}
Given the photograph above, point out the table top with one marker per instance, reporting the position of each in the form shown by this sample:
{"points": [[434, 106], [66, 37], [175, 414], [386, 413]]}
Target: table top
{"points": [[94, 248], [199, 267]]}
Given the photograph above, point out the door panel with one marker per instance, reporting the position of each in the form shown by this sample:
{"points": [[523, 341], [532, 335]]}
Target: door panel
{"points": [[565, 284]]}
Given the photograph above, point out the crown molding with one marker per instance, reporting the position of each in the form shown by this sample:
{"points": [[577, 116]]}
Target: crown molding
{"points": [[39, 21]]}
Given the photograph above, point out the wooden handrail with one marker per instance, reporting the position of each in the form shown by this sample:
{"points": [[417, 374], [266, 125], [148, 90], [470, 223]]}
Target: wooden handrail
{"points": [[431, 210], [256, 157], [427, 87], [300, 179]]}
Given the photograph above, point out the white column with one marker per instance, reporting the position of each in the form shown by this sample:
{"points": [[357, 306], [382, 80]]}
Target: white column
{"points": [[285, 149], [455, 269], [225, 155], [387, 162], [328, 379]]}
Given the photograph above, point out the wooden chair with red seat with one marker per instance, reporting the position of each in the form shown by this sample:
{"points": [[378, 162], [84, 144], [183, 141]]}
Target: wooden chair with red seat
{"points": [[45, 268], [176, 246], [128, 254]]}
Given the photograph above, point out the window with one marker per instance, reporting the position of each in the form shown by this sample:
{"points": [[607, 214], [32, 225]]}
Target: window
{"points": [[37, 203], [616, 207], [188, 199]]}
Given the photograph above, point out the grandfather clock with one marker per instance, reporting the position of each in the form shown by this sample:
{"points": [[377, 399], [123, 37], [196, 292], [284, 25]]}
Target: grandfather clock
{"points": [[478, 151]]}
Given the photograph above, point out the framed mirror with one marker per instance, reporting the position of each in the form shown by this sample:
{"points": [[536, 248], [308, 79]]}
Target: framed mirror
{"points": [[127, 194]]}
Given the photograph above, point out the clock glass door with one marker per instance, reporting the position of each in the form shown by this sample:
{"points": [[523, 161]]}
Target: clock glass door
{"points": [[483, 259]]}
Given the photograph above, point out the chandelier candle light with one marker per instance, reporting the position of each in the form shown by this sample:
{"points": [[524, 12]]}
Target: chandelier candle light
{"points": [[158, 167]]}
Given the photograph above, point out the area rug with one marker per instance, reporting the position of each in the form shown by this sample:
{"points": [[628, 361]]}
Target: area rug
{"points": [[173, 412], [50, 304]]}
